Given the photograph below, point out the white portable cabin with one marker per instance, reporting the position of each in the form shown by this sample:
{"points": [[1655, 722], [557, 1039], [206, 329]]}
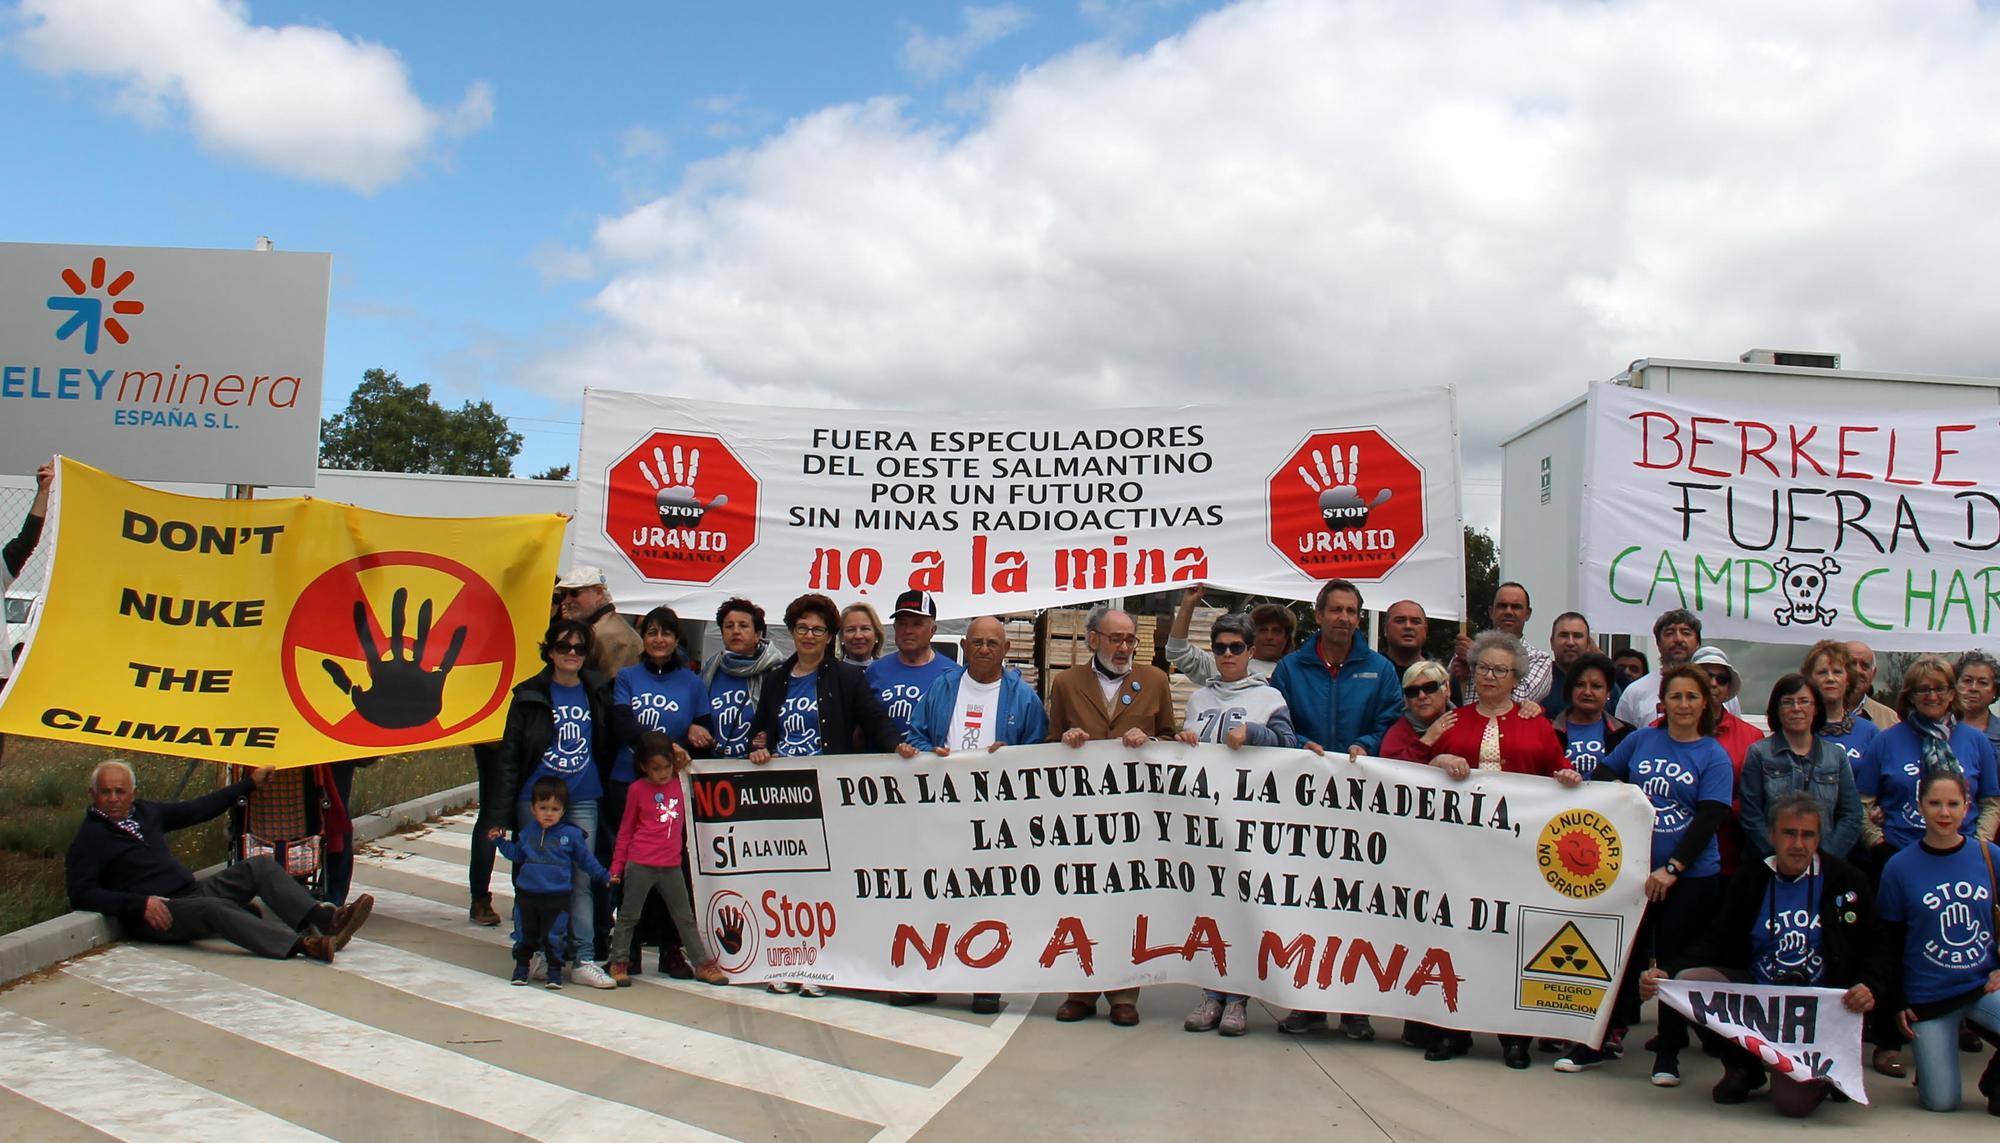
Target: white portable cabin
{"points": [[1542, 472]]}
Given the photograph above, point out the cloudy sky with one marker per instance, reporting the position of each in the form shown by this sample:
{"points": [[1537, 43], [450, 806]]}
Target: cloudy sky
{"points": [[1113, 202]]}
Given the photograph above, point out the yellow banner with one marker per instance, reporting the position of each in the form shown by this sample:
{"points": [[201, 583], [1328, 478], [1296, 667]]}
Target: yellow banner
{"points": [[287, 632]]}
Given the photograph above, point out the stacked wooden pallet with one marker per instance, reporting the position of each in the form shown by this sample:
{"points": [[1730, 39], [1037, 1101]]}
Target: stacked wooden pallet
{"points": [[1200, 628], [1021, 646]]}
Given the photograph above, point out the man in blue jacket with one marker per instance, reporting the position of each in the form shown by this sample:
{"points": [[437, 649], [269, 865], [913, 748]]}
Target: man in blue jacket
{"points": [[977, 708], [119, 865], [1341, 693], [1342, 696], [998, 708]]}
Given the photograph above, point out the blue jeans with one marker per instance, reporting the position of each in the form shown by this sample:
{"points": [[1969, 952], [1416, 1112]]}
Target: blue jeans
{"points": [[1222, 997], [582, 917], [1936, 1049]]}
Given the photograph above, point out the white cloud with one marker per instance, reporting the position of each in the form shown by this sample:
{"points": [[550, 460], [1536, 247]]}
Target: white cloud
{"points": [[302, 101], [930, 57], [1293, 198]]}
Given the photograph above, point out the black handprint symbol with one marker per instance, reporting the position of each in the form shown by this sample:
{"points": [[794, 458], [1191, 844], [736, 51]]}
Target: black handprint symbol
{"points": [[730, 936], [1340, 503], [674, 488], [401, 693]]}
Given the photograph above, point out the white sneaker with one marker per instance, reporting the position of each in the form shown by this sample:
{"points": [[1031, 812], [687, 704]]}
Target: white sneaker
{"points": [[591, 976], [781, 987], [811, 990]]}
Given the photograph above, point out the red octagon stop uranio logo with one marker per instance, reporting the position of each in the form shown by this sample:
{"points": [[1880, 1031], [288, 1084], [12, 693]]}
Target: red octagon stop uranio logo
{"points": [[1346, 504], [680, 507]]}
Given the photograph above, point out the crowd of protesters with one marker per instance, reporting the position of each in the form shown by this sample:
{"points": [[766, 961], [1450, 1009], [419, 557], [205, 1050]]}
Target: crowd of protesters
{"points": [[1847, 814], [1849, 847]]}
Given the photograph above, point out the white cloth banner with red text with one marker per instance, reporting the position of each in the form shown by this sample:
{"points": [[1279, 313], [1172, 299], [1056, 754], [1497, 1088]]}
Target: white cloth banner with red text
{"points": [[1792, 525], [1804, 1033], [1501, 903], [691, 502]]}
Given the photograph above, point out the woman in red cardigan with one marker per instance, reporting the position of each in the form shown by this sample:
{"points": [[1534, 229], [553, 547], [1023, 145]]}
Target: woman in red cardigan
{"points": [[1491, 733]]}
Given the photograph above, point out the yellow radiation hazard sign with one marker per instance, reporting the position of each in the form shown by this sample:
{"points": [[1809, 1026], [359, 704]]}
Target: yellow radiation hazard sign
{"points": [[1569, 954]]}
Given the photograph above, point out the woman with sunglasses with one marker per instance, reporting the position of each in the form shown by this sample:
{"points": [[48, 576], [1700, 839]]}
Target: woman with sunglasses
{"points": [[1588, 732], [1427, 714], [1236, 709], [1494, 733], [816, 705], [560, 725]]}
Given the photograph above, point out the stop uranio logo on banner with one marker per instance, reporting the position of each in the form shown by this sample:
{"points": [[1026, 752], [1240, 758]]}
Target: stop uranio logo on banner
{"points": [[680, 507], [1346, 504]]}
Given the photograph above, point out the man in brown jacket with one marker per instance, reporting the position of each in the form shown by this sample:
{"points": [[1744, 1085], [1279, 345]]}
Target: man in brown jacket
{"points": [[614, 645], [1110, 697]]}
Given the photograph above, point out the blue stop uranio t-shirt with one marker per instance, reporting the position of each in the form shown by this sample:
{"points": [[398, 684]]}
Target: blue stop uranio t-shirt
{"points": [[1947, 901], [898, 685], [798, 718], [568, 756], [1785, 942], [729, 708], [1675, 776]]}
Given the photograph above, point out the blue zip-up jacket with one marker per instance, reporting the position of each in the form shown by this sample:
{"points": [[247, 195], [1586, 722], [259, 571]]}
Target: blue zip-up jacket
{"points": [[1022, 718], [1366, 700], [543, 860]]}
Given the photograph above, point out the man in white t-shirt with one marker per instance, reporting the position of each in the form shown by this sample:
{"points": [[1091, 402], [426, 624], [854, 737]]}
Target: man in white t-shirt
{"points": [[1678, 634], [977, 709]]}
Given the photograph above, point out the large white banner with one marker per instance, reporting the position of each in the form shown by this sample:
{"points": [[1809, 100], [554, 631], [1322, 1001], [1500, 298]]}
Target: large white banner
{"points": [[1792, 525], [1803, 1033], [1502, 903], [160, 364], [691, 502]]}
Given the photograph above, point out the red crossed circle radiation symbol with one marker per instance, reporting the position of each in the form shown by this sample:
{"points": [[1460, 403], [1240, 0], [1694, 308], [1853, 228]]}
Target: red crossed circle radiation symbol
{"points": [[395, 649], [1346, 503], [680, 507]]}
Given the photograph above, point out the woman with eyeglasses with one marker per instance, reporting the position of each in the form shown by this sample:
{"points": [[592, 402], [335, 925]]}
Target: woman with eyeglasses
{"points": [[1793, 758], [1493, 733], [559, 725], [1930, 738], [1688, 778], [1588, 732], [1236, 709], [815, 705], [1978, 678]]}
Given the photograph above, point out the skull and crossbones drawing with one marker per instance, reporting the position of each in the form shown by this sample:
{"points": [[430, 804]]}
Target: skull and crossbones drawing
{"points": [[1804, 587]]}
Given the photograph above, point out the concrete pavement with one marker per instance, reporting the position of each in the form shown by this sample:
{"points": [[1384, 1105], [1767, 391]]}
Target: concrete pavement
{"points": [[415, 1033]]}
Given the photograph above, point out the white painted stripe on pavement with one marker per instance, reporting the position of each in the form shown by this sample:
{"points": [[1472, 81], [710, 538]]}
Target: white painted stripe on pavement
{"points": [[435, 1075], [846, 1092], [122, 1097], [909, 1026]]}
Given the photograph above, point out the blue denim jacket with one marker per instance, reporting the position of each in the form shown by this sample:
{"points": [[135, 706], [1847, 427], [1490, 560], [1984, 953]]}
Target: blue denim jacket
{"points": [[1771, 770]]}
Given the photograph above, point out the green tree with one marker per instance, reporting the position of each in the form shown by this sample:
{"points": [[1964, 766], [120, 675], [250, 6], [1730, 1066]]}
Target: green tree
{"points": [[555, 472], [392, 427], [1482, 579]]}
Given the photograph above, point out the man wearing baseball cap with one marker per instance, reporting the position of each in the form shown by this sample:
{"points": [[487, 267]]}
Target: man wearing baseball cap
{"points": [[614, 646], [899, 680], [1736, 737]]}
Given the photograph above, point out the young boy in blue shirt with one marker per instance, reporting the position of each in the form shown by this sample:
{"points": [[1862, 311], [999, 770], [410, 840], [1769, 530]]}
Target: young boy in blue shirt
{"points": [[545, 853]]}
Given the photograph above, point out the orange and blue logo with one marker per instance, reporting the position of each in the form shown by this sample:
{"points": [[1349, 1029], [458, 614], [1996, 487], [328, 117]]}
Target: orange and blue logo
{"points": [[86, 308]]}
